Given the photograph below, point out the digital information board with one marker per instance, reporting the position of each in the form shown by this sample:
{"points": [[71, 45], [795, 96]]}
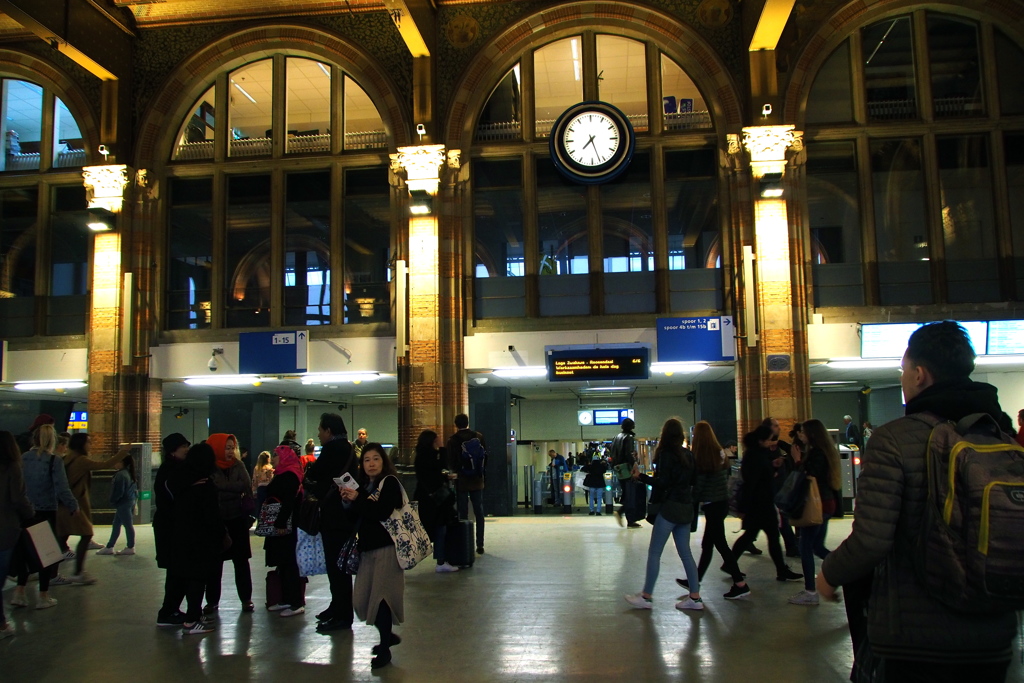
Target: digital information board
{"points": [[79, 419], [587, 364], [696, 339], [611, 416], [889, 340], [1006, 337]]}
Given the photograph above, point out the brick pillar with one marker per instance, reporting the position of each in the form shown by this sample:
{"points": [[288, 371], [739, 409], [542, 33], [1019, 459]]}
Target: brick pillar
{"points": [[104, 342], [772, 376], [431, 380]]}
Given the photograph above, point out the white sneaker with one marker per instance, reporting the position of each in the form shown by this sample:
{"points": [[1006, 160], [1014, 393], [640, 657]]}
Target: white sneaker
{"points": [[93, 545], [804, 597], [445, 568], [69, 555], [278, 607], [45, 602], [289, 612], [690, 603], [638, 601], [82, 579], [105, 551], [126, 551], [60, 580]]}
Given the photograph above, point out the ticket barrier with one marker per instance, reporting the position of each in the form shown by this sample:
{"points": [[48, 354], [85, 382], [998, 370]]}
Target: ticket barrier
{"points": [[609, 493], [540, 490], [568, 493], [849, 467]]}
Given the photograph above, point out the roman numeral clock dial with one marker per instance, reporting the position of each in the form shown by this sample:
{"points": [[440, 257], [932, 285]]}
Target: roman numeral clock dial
{"points": [[592, 142]]}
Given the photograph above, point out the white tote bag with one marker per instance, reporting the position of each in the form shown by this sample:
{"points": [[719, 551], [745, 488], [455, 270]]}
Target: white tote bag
{"points": [[45, 544], [412, 544]]}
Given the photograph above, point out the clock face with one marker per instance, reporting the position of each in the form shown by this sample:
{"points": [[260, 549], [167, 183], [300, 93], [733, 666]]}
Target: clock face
{"points": [[591, 138], [592, 142]]}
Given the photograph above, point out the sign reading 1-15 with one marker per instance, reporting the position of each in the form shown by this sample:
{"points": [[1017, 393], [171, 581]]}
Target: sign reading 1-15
{"points": [[273, 353]]}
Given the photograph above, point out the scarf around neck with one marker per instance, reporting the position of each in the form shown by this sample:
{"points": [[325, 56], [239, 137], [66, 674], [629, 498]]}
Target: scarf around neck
{"points": [[218, 443]]}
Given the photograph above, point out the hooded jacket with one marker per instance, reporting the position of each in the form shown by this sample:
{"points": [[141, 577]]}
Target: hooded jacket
{"points": [[904, 620]]}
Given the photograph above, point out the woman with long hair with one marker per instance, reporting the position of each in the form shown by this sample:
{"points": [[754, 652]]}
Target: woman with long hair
{"points": [[261, 476], [821, 461], [672, 485], [234, 489], [758, 472], [79, 468], [437, 509], [46, 483], [124, 493], [15, 509], [711, 488], [379, 593]]}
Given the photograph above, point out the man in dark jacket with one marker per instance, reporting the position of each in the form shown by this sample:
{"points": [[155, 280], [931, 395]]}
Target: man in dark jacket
{"points": [[336, 458], [634, 495], [166, 487], [469, 488], [917, 636]]}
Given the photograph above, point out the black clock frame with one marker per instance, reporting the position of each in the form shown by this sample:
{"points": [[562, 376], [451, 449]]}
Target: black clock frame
{"points": [[592, 175]]}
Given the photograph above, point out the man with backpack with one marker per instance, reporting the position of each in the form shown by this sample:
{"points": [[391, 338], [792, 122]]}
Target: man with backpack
{"points": [[467, 455], [916, 631], [634, 494]]}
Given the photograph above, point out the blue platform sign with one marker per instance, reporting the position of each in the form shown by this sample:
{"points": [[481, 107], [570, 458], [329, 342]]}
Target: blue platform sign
{"points": [[696, 339], [273, 353]]}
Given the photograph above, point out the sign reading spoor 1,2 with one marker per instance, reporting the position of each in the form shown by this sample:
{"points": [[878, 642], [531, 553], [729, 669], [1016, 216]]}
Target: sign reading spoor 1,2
{"points": [[565, 366]]}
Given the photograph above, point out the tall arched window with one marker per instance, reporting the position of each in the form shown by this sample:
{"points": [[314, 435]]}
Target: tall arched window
{"points": [[661, 214], [915, 112], [35, 125], [279, 242]]}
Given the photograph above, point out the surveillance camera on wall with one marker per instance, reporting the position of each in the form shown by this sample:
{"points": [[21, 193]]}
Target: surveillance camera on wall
{"points": [[212, 364]]}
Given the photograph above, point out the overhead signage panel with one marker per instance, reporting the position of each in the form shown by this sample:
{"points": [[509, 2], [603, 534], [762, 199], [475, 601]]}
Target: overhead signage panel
{"points": [[696, 339], [611, 416], [1006, 337], [889, 340], [273, 353], [591, 364]]}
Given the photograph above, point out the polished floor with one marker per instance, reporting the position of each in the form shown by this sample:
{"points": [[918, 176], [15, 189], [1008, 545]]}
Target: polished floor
{"points": [[545, 603]]}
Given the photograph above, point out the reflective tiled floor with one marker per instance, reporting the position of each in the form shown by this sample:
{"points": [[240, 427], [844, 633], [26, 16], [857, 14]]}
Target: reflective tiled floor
{"points": [[544, 604]]}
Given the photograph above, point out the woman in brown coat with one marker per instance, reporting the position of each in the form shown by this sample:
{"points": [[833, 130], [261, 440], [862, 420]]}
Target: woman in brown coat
{"points": [[79, 467]]}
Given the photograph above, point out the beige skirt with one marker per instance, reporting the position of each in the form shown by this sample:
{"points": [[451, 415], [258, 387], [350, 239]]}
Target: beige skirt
{"points": [[379, 578]]}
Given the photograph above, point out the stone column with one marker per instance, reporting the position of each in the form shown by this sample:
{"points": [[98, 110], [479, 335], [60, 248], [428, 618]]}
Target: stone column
{"points": [[431, 378], [772, 375]]}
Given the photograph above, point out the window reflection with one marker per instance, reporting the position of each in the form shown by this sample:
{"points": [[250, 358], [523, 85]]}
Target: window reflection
{"points": [[833, 211], [1013, 149], [558, 81], [626, 220], [498, 219], [622, 77], [691, 197], [69, 262], [831, 97], [561, 223], [308, 118], [18, 228], [955, 67], [196, 138], [367, 246], [190, 253], [364, 127], [682, 102], [250, 107], [21, 123], [68, 146], [889, 69], [501, 117], [307, 257], [247, 251]]}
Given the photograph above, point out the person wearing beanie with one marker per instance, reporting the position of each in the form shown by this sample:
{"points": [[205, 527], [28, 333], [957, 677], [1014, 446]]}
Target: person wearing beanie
{"points": [[237, 507], [25, 438], [166, 487]]}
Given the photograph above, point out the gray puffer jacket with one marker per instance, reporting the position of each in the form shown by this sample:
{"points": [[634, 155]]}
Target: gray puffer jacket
{"points": [[904, 621]]}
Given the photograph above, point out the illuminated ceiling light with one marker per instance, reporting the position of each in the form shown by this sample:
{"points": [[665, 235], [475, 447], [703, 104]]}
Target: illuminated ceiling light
{"points": [[98, 226], [56, 384], [354, 377], [587, 390], [242, 90], [999, 360], [521, 372], [849, 381], [678, 367], [224, 380], [323, 68], [861, 364]]}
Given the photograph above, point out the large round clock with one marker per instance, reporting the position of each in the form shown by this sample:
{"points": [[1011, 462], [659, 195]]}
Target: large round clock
{"points": [[592, 142]]}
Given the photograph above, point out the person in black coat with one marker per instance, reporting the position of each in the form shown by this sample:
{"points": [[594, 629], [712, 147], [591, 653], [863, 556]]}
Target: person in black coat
{"points": [[285, 488], [199, 534], [594, 482], [758, 474], [336, 458], [165, 488], [437, 509]]}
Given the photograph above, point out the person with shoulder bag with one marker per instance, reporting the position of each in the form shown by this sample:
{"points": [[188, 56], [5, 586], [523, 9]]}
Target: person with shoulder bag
{"points": [[670, 511], [285, 489], [15, 509], [237, 507], [379, 594], [434, 493], [623, 452], [46, 483]]}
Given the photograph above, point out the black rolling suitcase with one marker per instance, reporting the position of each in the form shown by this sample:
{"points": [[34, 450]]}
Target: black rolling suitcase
{"points": [[459, 544]]}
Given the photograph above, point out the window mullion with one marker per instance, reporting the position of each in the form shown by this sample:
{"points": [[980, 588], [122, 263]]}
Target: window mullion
{"points": [[221, 132], [277, 246], [528, 112], [337, 238], [655, 109], [933, 218], [279, 107], [219, 289], [46, 132], [989, 73], [337, 116], [860, 107], [531, 254], [868, 241], [922, 66], [589, 52]]}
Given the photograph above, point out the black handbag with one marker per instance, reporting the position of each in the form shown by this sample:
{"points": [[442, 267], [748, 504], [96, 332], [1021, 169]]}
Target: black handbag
{"points": [[442, 495], [348, 558], [309, 515]]}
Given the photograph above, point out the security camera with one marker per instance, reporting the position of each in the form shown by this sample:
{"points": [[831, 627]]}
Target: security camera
{"points": [[766, 110], [284, 401], [212, 364], [511, 349], [421, 129]]}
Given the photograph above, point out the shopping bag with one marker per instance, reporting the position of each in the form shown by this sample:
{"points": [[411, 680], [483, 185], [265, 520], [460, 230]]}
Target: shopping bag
{"points": [[42, 546], [266, 526], [412, 544], [811, 515], [309, 553]]}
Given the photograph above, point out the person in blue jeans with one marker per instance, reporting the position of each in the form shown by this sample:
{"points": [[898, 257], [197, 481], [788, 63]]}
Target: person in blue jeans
{"points": [[594, 481], [123, 495], [672, 485], [818, 458]]}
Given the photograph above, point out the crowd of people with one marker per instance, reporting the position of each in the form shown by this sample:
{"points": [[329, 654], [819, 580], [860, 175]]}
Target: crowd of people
{"points": [[207, 502]]}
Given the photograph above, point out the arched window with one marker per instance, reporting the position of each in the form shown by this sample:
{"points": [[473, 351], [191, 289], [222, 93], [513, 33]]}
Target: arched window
{"points": [[667, 196], [278, 243], [35, 124], [934, 128]]}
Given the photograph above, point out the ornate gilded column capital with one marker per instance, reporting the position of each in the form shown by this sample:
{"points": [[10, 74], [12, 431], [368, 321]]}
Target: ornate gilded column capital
{"points": [[767, 146], [104, 186], [422, 164]]}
